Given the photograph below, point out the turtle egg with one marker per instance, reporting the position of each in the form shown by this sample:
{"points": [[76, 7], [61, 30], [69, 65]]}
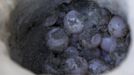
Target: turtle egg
{"points": [[76, 66], [71, 52], [57, 39], [97, 66], [117, 27], [51, 20], [72, 22], [96, 40], [108, 44]]}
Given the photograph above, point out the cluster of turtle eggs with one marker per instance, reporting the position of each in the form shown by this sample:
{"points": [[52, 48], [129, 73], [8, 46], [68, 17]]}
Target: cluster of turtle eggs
{"points": [[85, 32]]}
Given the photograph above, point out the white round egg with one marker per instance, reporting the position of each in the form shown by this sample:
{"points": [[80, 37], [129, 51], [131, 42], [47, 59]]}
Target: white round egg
{"points": [[108, 44], [57, 39], [117, 27], [72, 22]]}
